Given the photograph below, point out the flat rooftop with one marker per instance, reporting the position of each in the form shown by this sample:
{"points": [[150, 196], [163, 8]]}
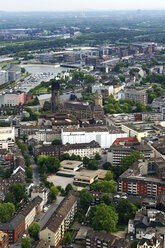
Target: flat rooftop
{"points": [[70, 164]]}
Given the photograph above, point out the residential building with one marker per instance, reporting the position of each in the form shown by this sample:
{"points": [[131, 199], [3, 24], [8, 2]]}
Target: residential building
{"points": [[4, 240], [103, 135], [101, 239], [150, 240], [41, 192], [137, 94], [58, 121], [83, 149], [141, 179], [124, 146], [7, 137], [15, 227], [31, 209], [3, 77], [14, 98], [54, 230]]}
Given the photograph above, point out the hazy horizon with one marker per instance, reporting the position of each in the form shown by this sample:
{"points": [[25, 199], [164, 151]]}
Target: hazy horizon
{"points": [[85, 5]]}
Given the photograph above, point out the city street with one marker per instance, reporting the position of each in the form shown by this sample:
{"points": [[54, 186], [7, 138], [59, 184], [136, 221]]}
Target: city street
{"points": [[36, 176]]}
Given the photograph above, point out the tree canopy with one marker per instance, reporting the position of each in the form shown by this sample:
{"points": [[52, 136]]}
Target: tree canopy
{"points": [[105, 218]]}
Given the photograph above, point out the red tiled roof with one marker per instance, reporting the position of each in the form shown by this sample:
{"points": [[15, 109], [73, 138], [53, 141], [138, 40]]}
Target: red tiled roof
{"points": [[126, 139]]}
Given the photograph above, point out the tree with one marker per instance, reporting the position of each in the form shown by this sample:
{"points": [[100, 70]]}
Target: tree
{"points": [[24, 138], [25, 243], [56, 142], [33, 230], [22, 70], [128, 160], [97, 156], [106, 199], [134, 244], [86, 160], [85, 199], [53, 193], [18, 191], [105, 218], [104, 186], [107, 166], [68, 188], [68, 238], [108, 176], [126, 211], [6, 211], [89, 79], [93, 165], [29, 172]]}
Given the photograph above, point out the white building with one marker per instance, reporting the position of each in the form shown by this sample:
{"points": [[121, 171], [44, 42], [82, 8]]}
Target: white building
{"points": [[7, 137], [42, 192], [3, 77], [99, 87], [104, 136]]}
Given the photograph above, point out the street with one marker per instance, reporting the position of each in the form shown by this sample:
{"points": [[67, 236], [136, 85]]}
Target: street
{"points": [[36, 176]]}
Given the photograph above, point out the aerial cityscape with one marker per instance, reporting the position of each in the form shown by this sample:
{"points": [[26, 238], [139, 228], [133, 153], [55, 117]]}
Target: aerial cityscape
{"points": [[82, 124]]}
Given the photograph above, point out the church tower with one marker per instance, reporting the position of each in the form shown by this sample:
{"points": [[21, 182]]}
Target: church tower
{"points": [[98, 99], [55, 96]]}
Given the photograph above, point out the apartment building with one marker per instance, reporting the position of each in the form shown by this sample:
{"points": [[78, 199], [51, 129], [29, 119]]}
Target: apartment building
{"points": [[14, 98], [15, 227], [4, 240], [41, 192], [137, 94], [83, 149], [124, 146], [31, 209], [102, 239], [55, 228], [140, 179]]}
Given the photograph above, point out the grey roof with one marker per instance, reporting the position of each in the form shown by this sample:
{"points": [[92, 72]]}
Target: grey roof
{"points": [[13, 223]]}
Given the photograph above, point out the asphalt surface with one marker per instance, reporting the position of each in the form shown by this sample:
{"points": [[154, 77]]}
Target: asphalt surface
{"points": [[36, 176]]}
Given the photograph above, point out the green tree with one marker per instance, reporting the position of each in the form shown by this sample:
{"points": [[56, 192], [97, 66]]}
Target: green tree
{"points": [[104, 186], [93, 165], [108, 176], [68, 188], [53, 193], [97, 156], [85, 199], [19, 192], [6, 211], [89, 79], [86, 160], [128, 160], [22, 70], [107, 166], [105, 218], [126, 211], [25, 243], [106, 199], [56, 142], [68, 238], [33, 230]]}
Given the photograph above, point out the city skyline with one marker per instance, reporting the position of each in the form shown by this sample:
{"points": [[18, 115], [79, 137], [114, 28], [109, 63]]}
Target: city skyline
{"points": [[64, 5]]}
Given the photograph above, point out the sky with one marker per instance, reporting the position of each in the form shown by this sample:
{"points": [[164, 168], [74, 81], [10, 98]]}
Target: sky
{"points": [[61, 5]]}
